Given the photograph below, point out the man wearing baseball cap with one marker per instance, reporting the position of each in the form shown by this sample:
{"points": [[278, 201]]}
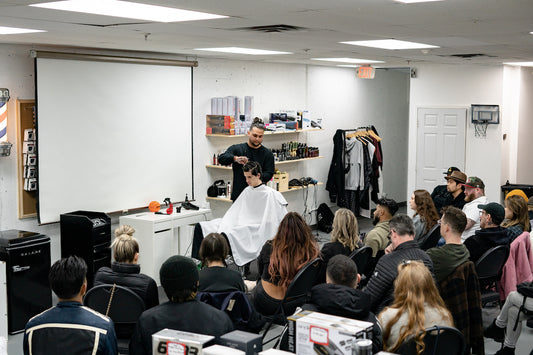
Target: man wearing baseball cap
{"points": [[179, 278], [491, 233], [440, 195], [474, 196], [454, 185]]}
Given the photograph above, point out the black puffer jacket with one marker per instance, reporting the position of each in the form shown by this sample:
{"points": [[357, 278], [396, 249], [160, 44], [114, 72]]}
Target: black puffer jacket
{"points": [[344, 301], [380, 287], [128, 275], [484, 239]]}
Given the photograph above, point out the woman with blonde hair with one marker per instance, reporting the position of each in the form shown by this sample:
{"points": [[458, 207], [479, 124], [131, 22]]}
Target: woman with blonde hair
{"points": [[125, 271], [426, 215], [344, 236], [417, 305], [280, 259], [516, 216]]}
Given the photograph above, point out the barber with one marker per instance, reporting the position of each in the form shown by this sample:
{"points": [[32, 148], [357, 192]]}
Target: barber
{"points": [[239, 154]]}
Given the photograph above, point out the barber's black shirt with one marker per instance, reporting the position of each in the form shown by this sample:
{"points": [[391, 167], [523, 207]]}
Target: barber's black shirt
{"points": [[262, 155]]}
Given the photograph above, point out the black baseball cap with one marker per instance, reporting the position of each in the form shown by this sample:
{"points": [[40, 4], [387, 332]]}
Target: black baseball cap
{"points": [[496, 211]]}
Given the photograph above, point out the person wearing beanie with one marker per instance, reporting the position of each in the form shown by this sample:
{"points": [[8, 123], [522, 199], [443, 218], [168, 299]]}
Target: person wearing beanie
{"points": [[491, 233], [179, 278]]}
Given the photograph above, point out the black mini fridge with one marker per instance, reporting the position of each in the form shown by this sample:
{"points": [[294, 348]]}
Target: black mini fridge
{"points": [[27, 258]]}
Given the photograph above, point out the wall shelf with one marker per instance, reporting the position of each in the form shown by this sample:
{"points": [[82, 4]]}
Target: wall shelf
{"points": [[295, 188], [276, 163], [27, 200], [267, 133]]}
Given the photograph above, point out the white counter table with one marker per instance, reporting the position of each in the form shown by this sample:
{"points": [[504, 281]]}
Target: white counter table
{"points": [[161, 236]]}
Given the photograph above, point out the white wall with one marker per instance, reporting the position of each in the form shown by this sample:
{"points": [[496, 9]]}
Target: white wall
{"points": [[460, 86], [524, 171], [333, 94]]}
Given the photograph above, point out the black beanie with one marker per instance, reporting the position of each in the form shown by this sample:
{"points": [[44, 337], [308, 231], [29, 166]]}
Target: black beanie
{"points": [[178, 273]]}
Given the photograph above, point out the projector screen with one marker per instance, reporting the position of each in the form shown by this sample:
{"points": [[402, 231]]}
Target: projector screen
{"points": [[111, 136]]}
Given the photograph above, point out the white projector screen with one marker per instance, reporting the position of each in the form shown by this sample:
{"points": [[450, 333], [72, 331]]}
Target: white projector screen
{"points": [[111, 136]]}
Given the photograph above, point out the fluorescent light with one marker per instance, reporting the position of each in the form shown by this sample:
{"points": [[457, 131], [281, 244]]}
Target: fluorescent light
{"points": [[415, 1], [14, 30], [522, 64], [127, 9], [240, 50], [349, 60], [390, 44], [348, 65]]}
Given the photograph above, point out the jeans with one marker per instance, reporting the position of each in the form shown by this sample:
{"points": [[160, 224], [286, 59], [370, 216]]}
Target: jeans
{"points": [[508, 315]]}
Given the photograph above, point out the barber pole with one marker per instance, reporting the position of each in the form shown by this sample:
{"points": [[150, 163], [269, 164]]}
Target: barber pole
{"points": [[3, 121]]}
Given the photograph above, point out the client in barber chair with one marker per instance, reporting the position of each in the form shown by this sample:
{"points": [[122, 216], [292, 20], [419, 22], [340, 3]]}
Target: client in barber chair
{"points": [[250, 221]]}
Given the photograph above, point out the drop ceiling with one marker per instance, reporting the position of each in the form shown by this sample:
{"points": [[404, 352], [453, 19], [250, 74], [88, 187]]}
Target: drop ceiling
{"points": [[467, 31]]}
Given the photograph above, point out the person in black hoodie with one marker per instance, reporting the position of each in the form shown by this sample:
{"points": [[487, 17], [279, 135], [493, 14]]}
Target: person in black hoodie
{"points": [[339, 296], [491, 233]]}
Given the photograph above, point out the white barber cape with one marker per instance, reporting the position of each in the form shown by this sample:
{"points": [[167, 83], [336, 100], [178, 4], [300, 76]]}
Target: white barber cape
{"points": [[252, 220]]}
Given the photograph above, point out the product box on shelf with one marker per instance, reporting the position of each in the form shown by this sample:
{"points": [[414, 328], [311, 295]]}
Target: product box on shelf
{"points": [[168, 341], [322, 333], [282, 180], [218, 124], [29, 134]]}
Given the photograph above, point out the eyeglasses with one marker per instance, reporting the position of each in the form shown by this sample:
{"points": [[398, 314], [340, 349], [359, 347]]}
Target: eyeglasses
{"points": [[482, 212]]}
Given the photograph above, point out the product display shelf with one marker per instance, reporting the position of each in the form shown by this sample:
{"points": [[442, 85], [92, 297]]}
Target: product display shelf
{"points": [[295, 188], [267, 133], [276, 163]]}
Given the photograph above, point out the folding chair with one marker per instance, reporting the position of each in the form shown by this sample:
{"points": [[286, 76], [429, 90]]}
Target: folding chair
{"points": [[439, 340], [361, 258], [430, 239], [489, 270]]}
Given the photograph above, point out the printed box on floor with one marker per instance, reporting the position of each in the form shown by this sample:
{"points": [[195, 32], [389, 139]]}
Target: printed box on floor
{"points": [[250, 343], [323, 333], [222, 350], [169, 341]]}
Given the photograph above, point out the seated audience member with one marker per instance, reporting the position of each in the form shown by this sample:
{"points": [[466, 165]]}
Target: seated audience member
{"points": [[454, 185], [279, 261], [69, 327], [378, 238], [179, 278], [452, 254], [251, 220], [403, 247], [214, 277], [426, 215], [505, 327], [441, 196], [339, 296], [516, 216], [344, 236], [417, 305], [490, 234], [125, 271], [474, 196]]}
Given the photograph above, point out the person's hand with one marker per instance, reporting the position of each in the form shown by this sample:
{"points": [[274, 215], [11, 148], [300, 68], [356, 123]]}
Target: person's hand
{"points": [[389, 249], [241, 160]]}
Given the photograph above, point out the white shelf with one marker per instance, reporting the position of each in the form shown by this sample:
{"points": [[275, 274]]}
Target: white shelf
{"points": [[296, 188], [267, 133], [276, 163]]}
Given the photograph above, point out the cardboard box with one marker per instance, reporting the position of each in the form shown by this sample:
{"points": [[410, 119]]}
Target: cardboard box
{"points": [[30, 184], [29, 147], [168, 341], [250, 343], [291, 328], [221, 350], [282, 181], [323, 333], [29, 134], [30, 172], [274, 352]]}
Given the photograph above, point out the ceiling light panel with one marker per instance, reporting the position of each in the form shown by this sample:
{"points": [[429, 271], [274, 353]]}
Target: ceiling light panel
{"points": [[239, 50], [349, 60], [392, 44], [127, 9], [415, 1], [522, 64], [15, 30]]}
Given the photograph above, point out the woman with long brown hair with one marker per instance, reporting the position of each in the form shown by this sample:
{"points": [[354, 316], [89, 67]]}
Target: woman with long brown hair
{"points": [[426, 215], [516, 216], [280, 259], [417, 305]]}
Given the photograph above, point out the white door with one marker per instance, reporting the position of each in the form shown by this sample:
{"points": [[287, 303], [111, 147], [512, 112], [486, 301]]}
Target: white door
{"points": [[440, 144]]}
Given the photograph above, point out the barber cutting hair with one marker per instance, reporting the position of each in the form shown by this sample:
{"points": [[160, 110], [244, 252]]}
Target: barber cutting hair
{"points": [[238, 155]]}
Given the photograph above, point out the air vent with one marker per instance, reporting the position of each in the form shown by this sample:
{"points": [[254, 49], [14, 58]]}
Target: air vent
{"points": [[272, 28], [469, 55]]}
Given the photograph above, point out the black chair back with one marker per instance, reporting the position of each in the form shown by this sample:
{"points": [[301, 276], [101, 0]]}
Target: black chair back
{"points": [[431, 238], [361, 258], [125, 308], [439, 340], [489, 266]]}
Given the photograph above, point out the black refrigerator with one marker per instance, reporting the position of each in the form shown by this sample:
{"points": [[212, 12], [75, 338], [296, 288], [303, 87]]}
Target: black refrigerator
{"points": [[27, 258]]}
